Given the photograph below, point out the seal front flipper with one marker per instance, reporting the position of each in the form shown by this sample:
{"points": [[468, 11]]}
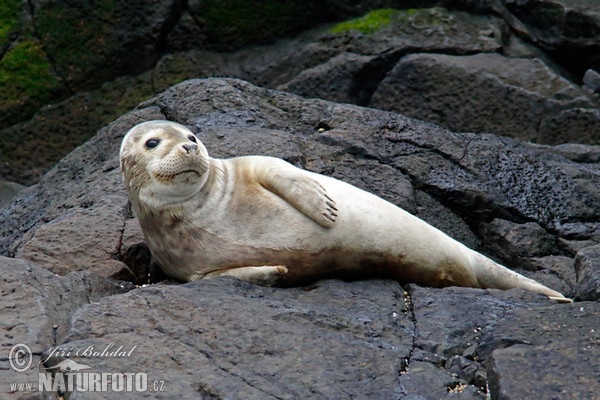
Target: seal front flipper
{"points": [[300, 190]]}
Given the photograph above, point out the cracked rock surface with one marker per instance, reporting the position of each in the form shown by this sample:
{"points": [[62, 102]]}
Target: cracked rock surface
{"points": [[78, 248]]}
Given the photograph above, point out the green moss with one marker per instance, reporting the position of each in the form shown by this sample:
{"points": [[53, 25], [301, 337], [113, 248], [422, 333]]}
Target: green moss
{"points": [[25, 73], [235, 23], [371, 22], [76, 42], [9, 18]]}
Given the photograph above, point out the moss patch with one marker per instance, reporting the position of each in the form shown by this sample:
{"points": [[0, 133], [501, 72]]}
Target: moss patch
{"points": [[236, 23], [76, 42], [369, 23], [9, 19], [26, 74], [68, 37]]}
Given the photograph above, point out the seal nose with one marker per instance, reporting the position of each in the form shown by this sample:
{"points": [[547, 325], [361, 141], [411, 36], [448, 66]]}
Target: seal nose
{"points": [[189, 147]]}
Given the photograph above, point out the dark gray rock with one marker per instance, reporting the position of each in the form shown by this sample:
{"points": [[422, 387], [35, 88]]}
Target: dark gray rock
{"points": [[334, 80], [511, 241], [228, 339], [555, 271], [587, 265], [342, 64], [550, 350], [522, 343], [468, 370], [591, 80], [430, 30], [8, 191], [424, 381], [36, 311], [583, 120], [362, 60], [578, 152], [524, 185], [60, 247], [455, 335], [448, 326], [569, 30], [233, 339], [489, 93]]}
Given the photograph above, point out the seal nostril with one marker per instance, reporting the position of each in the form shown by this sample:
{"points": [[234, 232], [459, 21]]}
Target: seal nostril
{"points": [[189, 147]]}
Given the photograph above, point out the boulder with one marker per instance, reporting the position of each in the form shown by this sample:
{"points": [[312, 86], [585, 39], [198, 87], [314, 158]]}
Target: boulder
{"points": [[8, 190], [224, 338], [591, 81], [512, 241], [51, 50], [543, 350], [502, 79], [490, 93], [36, 311], [569, 30]]}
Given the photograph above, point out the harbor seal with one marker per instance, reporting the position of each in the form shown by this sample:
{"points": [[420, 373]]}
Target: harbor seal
{"points": [[266, 221]]}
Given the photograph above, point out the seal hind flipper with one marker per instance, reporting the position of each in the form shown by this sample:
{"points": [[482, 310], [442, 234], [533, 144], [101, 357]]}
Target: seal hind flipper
{"points": [[301, 191]]}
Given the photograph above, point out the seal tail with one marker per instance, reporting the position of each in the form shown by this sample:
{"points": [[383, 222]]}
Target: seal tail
{"points": [[496, 276]]}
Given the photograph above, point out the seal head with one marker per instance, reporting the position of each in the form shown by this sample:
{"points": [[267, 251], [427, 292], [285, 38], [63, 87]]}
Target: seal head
{"points": [[163, 164]]}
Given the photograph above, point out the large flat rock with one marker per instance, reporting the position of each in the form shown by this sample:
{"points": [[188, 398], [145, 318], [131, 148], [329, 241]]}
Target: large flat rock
{"points": [[370, 339]]}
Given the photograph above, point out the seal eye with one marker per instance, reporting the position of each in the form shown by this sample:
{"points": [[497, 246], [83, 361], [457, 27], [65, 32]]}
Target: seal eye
{"points": [[152, 143], [192, 138]]}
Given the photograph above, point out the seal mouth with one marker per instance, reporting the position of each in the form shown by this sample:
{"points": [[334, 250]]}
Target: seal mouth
{"points": [[166, 178], [188, 171]]}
